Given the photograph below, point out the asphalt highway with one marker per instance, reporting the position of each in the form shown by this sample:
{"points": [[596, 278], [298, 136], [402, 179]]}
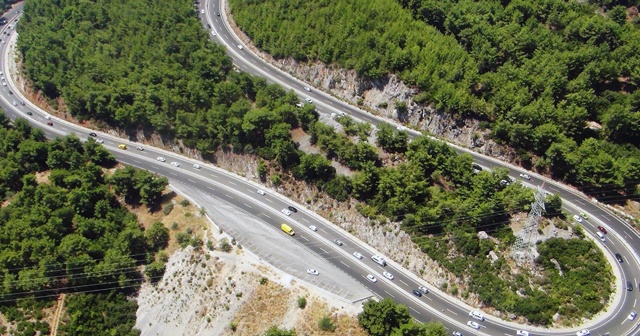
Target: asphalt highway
{"points": [[242, 193]]}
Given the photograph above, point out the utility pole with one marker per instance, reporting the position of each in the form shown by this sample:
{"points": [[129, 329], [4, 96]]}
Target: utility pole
{"points": [[525, 249]]}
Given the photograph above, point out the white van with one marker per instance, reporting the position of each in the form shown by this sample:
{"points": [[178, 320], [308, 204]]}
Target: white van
{"points": [[476, 315], [601, 236], [379, 260]]}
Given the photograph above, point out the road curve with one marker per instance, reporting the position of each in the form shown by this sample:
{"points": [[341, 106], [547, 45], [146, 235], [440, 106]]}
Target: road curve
{"points": [[241, 193]]}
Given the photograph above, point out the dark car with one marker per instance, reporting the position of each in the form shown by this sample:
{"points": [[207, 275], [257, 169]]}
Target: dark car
{"points": [[93, 134], [619, 258], [337, 242], [629, 286], [477, 167], [10, 92], [218, 13], [29, 113], [50, 123], [603, 230], [417, 293], [292, 209], [21, 103]]}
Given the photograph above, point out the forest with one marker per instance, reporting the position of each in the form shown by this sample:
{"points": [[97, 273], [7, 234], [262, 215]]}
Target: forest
{"points": [[64, 230], [556, 80], [169, 79]]}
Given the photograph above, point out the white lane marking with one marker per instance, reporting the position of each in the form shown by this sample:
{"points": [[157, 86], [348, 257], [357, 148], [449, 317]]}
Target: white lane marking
{"points": [[304, 220], [323, 230], [628, 236], [172, 173], [229, 196], [190, 180], [390, 294], [430, 299], [247, 205], [305, 238], [611, 242], [417, 312], [210, 188], [345, 264], [136, 161], [231, 182], [634, 302], [404, 283], [452, 312], [268, 200], [325, 251], [266, 215]]}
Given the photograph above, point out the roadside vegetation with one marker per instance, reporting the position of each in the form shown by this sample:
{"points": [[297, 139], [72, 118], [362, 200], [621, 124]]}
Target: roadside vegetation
{"points": [[168, 78], [536, 72], [63, 230], [387, 318]]}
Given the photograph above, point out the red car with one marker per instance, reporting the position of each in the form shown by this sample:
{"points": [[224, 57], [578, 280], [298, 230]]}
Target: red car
{"points": [[603, 230], [50, 123]]}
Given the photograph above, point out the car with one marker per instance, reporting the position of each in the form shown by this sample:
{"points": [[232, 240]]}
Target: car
{"points": [[525, 176], [476, 315], [213, 33], [161, 159], [619, 258], [50, 123], [306, 88], [292, 209], [476, 168], [522, 333], [313, 228], [29, 113], [505, 182], [417, 293], [240, 47], [473, 324], [217, 13], [261, 192], [93, 134], [632, 316], [312, 272], [14, 103], [308, 101], [577, 218], [175, 164], [196, 166], [457, 333], [371, 278], [21, 103], [584, 215], [10, 92], [202, 11], [583, 332], [48, 117], [100, 141], [358, 255], [423, 289], [401, 128], [629, 286], [387, 275], [122, 146], [338, 242], [286, 212], [139, 148], [603, 230], [4, 83], [601, 236]]}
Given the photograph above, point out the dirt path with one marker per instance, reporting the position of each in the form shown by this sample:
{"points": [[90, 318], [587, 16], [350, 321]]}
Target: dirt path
{"points": [[56, 317]]}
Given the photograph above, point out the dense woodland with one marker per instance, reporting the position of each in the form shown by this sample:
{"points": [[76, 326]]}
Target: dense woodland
{"points": [[66, 232], [536, 72], [140, 64]]}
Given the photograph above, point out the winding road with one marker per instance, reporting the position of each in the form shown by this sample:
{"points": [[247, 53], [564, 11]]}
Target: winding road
{"points": [[242, 193]]}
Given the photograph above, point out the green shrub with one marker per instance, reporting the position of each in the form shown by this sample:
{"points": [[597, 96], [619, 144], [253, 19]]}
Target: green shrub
{"points": [[302, 302], [167, 209], [326, 324]]}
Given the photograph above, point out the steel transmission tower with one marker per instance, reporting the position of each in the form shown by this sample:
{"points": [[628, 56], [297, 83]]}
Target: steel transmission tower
{"points": [[524, 249]]}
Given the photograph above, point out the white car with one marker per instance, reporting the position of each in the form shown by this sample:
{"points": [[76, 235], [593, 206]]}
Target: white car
{"points": [[313, 228], [139, 148], [286, 212], [371, 278], [4, 83], [632, 316], [213, 33], [476, 315], [202, 11], [261, 192], [309, 101], [473, 324], [99, 141], [525, 176], [15, 103], [240, 47], [457, 333], [423, 289], [522, 333], [578, 219], [401, 128], [358, 255], [48, 117], [306, 88], [387, 275], [161, 159], [312, 271], [175, 164], [196, 166], [583, 332]]}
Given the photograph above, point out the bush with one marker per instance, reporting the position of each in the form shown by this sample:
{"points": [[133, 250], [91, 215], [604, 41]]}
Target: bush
{"points": [[325, 324], [263, 281], [224, 245], [185, 203], [167, 209], [302, 302]]}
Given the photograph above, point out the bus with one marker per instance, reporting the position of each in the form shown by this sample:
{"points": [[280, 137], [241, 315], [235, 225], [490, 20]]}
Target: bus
{"points": [[287, 229]]}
